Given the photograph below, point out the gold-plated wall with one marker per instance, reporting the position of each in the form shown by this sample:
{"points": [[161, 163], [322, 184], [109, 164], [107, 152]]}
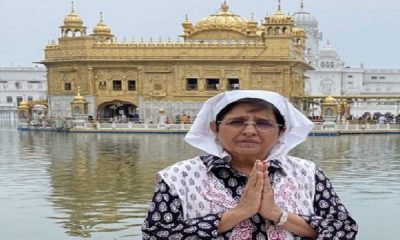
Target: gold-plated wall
{"points": [[266, 57]]}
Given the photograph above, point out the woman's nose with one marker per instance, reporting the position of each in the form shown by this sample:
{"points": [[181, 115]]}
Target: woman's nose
{"points": [[250, 128]]}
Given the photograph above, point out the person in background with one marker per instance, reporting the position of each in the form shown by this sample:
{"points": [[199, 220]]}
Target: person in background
{"points": [[246, 186], [184, 118], [381, 119]]}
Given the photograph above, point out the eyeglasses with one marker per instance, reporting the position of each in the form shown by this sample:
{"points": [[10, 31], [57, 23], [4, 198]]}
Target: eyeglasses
{"points": [[260, 124]]}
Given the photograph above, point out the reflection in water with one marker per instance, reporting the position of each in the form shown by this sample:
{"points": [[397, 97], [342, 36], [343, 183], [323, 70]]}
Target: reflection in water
{"points": [[99, 185], [102, 182], [364, 165]]}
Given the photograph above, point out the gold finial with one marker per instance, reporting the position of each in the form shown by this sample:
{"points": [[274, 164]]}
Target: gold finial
{"points": [[252, 16], [72, 6], [301, 4], [186, 17], [224, 6], [101, 16], [279, 5]]}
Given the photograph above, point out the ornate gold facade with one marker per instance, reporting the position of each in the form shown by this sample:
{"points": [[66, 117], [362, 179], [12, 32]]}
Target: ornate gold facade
{"points": [[221, 52]]}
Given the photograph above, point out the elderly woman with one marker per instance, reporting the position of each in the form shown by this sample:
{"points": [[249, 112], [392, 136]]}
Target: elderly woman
{"points": [[247, 187]]}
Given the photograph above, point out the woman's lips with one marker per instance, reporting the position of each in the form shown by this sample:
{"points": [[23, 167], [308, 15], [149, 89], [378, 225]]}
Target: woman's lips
{"points": [[247, 143]]}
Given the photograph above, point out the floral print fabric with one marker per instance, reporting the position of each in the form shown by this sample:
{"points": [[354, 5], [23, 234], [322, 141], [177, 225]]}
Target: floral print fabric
{"points": [[197, 215]]}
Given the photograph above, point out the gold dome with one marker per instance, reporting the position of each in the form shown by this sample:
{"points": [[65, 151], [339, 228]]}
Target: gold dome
{"points": [[23, 104], [73, 19], [279, 15], [223, 20], [252, 21], [101, 28], [73, 25], [329, 101], [78, 98], [187, 24]]}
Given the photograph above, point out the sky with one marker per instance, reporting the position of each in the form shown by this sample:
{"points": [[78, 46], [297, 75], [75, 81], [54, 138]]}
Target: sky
{"points": [[363, 31]]}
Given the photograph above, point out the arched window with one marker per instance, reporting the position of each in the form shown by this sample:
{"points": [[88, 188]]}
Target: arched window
{"points": [[77, 110], [78, 33], [68, 33], [329, 112], [327, 65]]}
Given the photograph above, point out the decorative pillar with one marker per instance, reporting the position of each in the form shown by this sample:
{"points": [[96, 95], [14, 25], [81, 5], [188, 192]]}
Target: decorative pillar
{"points": [[329, 109], [79, 106], [23, 114], [23, 110]]}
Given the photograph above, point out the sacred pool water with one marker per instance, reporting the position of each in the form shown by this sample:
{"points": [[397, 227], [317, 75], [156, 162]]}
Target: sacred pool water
{"points": [[97, 186]]}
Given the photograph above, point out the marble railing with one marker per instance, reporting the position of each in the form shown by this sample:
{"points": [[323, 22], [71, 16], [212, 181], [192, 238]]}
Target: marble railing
{"points": [[152, 127]]}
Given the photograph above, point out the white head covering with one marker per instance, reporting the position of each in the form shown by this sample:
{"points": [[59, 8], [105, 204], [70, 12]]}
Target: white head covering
{"points": [[202, 137]]}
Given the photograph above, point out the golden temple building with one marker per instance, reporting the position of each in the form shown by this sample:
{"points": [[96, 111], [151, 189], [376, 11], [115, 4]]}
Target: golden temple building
{"points": [[221, 52]]}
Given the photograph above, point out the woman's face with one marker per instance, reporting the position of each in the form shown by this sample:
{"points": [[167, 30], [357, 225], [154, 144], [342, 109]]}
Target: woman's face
{"points": [[246, 133]]}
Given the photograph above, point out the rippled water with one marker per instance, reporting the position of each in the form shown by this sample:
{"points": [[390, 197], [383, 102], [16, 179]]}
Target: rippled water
{"points": [[97, 186]]}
